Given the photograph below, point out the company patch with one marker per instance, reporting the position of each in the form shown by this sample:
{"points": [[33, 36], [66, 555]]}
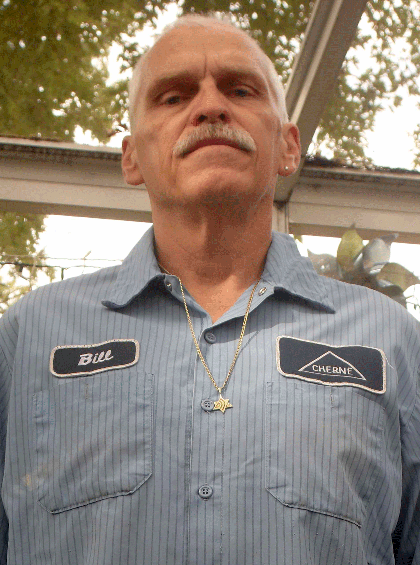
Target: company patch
{"points": [[346, 365], [78, 360]]}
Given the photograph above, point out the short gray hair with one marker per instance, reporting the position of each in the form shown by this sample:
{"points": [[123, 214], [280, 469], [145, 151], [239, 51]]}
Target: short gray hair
{"points": [[205, 21]]}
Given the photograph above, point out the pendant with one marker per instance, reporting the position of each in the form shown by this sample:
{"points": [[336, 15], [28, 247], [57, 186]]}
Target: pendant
{"points": [[222, 404]]}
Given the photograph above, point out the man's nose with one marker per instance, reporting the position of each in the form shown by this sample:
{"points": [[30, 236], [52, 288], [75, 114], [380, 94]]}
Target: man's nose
{"points": [[211, 106]]}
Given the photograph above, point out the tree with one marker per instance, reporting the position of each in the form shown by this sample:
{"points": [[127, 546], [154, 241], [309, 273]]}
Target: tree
{"points": [[52, 78], [53, 71], [21, 265], [54, 63]]}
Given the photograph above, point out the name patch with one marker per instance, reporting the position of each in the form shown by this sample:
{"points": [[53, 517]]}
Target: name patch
{"points": [[78, 360], [346, 365]]}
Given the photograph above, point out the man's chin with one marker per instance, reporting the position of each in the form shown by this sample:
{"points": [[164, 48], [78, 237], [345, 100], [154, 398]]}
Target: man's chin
{"points": [[213, 187], [233, 198], [217, 180], [218, 188]]}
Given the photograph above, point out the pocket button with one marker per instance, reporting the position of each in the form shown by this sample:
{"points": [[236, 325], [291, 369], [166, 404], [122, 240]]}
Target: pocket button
{"points": [[205, 492]]}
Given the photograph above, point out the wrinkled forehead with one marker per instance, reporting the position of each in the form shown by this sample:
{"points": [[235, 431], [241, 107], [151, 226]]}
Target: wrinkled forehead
{"points": [[190, 48]]}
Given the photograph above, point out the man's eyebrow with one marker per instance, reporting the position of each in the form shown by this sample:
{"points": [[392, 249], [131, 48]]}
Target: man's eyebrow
{"points": [[239, 73], [167, 81]]}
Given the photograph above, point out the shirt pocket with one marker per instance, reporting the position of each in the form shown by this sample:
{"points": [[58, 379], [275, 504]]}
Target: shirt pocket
{"points": [[93, 439], [323, 448]]}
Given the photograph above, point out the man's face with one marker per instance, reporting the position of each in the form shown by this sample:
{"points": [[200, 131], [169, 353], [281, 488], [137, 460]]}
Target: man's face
{"points": [[196, 83]]}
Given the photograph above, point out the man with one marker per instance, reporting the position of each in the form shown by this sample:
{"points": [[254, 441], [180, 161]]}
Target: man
{"points": [[213, 400]]}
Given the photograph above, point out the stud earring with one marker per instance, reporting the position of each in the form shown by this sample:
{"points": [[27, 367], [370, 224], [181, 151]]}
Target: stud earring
{"points": [[286, 168]]}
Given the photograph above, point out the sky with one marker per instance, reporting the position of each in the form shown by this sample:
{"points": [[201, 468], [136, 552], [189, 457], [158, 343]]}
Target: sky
{"points": [[67, 240]]}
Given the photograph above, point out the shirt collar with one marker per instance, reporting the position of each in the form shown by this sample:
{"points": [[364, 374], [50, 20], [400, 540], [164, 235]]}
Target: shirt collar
{"points": [[138, 270], [285, 269], [288, 271]]}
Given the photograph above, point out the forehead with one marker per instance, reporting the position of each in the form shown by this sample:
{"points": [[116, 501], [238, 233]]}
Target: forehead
{"points": [[198, 49]]}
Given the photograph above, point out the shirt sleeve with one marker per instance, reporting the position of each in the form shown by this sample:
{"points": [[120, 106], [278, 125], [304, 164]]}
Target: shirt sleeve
{"points": [[8, 337], [406, 536]]}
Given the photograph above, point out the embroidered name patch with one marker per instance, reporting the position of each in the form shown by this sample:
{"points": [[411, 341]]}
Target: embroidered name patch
{"points": [[347, 365], [77, 360]]}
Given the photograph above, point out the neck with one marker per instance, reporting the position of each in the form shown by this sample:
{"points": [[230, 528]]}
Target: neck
{"points": [[217, 257]]}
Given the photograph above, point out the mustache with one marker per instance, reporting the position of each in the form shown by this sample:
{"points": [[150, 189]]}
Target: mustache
{"points": [[242, 139]]}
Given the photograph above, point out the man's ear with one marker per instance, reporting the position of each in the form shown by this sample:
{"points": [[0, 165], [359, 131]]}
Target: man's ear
{"points": [[290, 157], [129, 165]]}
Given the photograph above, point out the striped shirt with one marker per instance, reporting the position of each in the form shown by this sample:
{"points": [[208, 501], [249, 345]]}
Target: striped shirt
{"points": [[113, 455]]}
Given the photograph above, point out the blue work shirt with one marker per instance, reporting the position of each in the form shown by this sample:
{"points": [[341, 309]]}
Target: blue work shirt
{"points": [[112, 454]]}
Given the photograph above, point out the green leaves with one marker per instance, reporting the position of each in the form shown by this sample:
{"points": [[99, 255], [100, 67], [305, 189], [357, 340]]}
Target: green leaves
{"points": [[53, 77], [52, 71], [382, 66], [350, 246], [20, 265], [398, 276], [366, 265]]}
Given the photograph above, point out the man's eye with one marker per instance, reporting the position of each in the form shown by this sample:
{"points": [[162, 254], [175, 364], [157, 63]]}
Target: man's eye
{"points": [[241, 91], [172, 99]]}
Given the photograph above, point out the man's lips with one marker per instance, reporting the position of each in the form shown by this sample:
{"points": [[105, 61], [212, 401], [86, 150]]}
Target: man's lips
{"points": [[209, 142]]}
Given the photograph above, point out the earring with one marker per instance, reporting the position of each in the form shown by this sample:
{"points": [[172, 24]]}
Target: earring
{"points": [[286, 168]]}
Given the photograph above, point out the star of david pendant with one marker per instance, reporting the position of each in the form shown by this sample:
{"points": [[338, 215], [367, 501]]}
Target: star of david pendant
{"points": [[222, 404]]}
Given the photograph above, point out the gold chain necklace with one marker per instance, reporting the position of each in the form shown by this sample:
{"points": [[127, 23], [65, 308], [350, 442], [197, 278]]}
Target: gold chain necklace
{"points": [[223, 403]]}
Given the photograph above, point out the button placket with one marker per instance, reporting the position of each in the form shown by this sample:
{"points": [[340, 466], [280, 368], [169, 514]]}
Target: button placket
{"points": [[207, 432], [207, 338]]}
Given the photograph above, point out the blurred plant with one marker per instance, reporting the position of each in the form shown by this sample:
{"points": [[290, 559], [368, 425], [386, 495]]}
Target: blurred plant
{"points": [[367, 265], [20, 264]]}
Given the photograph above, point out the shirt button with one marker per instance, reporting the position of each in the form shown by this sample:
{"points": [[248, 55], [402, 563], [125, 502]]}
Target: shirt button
{"points": [[210, 337], [205, 492], [262, 291], [207, 405], [168, 286]]}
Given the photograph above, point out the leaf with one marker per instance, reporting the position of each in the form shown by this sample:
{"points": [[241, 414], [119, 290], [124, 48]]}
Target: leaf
{"points": [[325, 264], [351, 245], [376, 253], [398, 275]]}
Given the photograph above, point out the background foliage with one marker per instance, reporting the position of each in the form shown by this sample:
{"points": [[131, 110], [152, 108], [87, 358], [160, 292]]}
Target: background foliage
{"points": [[53, 77], [54, 73], [367, 265], [20, 264]]}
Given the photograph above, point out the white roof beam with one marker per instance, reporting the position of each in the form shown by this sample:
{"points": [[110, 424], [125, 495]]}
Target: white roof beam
{"points": [[328, 200], [41, 177], [328, 36]]}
